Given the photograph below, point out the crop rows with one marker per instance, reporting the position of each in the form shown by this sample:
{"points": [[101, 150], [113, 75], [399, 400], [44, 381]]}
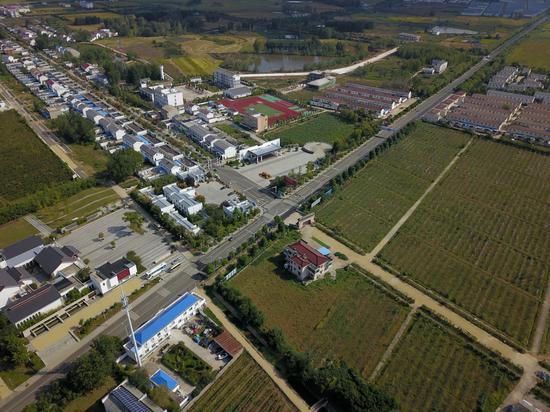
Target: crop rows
{"points": [[243, 387], [481, 238], [372, 202], [27, 164], [433, 368]]}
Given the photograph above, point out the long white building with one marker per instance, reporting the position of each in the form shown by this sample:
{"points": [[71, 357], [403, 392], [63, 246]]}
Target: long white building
{"points": [[156, 331]]}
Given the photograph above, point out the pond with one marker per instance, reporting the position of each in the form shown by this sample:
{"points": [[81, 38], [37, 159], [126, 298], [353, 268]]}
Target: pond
{"points": [[270, 63]]}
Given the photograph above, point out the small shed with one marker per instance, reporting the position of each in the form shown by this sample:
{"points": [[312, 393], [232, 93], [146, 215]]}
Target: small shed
{"points": [[228, 343]]}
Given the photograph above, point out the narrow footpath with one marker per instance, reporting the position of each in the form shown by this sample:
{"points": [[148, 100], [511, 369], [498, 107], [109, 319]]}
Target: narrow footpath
{"points": [[264, 364], [393, 344]]}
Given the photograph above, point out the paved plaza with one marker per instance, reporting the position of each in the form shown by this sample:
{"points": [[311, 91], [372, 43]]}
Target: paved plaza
{"points": [[151, 246]]}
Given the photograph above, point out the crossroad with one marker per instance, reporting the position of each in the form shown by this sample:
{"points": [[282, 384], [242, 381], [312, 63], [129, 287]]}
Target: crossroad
{"points": [[185, 280]]}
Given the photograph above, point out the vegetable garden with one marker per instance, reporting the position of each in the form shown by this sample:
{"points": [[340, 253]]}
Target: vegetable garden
{"points": [[243, 387], [480, 239], [373, 201]]}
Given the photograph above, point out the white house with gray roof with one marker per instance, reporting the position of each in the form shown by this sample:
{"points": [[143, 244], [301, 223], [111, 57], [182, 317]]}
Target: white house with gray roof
{"points": [[21, 253], [12, 283]]}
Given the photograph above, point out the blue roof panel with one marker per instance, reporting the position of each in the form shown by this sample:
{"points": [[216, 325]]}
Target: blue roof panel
{"points": [[162, 378], [155, 325]]}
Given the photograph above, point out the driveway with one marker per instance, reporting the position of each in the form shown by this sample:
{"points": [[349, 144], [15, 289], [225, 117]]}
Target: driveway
{"points": [[280, 165]]}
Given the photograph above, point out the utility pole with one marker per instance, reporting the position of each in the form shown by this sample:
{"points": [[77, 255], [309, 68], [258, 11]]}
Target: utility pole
{"points": [[126, 306]]}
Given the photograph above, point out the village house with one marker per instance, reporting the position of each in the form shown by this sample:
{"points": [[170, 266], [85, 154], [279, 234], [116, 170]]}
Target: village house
{"points": [[306, 263]]}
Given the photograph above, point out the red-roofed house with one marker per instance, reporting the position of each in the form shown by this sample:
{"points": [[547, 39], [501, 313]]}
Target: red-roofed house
{"points": [[306, 263]]}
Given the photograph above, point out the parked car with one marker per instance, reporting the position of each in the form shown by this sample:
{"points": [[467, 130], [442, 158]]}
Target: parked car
{"points": [[543, 376], [222, 355]]}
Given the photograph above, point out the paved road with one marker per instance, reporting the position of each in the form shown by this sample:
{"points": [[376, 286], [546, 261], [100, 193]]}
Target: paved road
{"points": [[257, 356], [42, 227], [341, 70], [145, 308], [284, 207]]}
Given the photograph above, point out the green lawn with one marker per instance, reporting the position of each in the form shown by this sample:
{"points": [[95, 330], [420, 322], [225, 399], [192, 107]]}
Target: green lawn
{"points": [[27, 164], [78, 206], [93, 160], [369, 204], [15, 377], [15, 231], [325, 128], [349, 318], [435, 368]]}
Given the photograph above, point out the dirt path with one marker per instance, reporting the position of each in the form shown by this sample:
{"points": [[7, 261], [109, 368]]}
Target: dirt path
{"points": [[264, 364], [393, 344], [412, 209], [341, 70], [541, 321], [4, 390], [525, 360]]}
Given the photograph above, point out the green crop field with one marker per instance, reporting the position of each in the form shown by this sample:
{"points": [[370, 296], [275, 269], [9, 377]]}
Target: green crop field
{"points": [[199, 65], [481, 237], [27, 164], [325, 128], [435, 368], [244, 386], [529, 52], [373, 201], [349, 318]]}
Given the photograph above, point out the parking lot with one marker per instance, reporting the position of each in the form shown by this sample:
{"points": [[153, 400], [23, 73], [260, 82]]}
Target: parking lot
{"points": [[150, 246], [214, 192], [293, 161]]}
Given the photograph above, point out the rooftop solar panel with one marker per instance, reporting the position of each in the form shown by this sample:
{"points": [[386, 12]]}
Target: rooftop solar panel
{"points": [[129, 400]]}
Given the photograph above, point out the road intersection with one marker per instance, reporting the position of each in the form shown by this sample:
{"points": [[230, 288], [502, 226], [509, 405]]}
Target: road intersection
{"points": [[186, 279]]}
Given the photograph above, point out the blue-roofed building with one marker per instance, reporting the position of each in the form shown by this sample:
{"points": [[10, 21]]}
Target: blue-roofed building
{"points": [[152, 334], [160, 378]]}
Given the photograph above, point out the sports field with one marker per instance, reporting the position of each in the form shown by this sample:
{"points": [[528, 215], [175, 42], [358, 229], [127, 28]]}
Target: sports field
{"points": [[276, 109], [325, 128], [373, 201], [349, 318], [27, 164], [244, 386], [481, 237], [435, 368]]}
